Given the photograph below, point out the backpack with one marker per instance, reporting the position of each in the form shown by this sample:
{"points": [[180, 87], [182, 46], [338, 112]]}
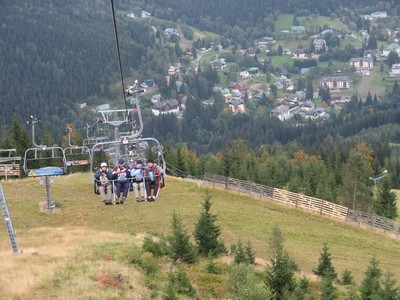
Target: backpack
{"points": [[122, 177], [104, 180], [137, 174]]}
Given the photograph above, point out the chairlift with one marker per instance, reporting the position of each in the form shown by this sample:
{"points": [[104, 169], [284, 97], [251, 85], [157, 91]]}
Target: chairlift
{"points": [[9, 156], [146, 148], [76, 155], [99, 135], [43, 160], [129, 145]]}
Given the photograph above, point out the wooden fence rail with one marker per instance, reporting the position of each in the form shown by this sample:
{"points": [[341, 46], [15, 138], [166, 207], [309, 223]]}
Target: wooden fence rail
{"points": [[9, 170], [312, 204]]}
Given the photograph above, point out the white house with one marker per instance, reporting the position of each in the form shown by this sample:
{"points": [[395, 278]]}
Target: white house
{"points": [[237, 106], [146, 14], [173, 70], [362, 63], [335, 82], [395, 69], [390, 48], [170, 106], [319, 44], [299, 54], [282, 112], [376, 15], [244, 74], [172, 31]]}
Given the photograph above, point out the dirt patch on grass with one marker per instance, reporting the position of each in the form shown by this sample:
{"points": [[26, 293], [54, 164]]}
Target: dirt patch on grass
{"points": [[44, 251], [259, 87]]}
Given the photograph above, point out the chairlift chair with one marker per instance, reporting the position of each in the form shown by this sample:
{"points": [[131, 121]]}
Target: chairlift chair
{"points": [[45, 161], [10, 156], [76, 155]]}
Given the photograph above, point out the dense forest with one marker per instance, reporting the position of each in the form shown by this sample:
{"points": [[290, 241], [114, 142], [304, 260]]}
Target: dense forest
{"points": [[60, 54], [56, 55], [251, 12]]}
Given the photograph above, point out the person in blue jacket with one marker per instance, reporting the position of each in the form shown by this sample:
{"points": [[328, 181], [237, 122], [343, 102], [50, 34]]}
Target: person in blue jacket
{"points": [[137, 174], [121, 175]]}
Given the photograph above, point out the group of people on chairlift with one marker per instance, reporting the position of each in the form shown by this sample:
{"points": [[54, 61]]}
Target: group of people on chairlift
{"points": [[144, 178]]}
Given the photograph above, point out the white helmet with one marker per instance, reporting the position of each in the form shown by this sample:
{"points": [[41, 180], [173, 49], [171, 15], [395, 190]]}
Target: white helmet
{"points": [[103, 164]]}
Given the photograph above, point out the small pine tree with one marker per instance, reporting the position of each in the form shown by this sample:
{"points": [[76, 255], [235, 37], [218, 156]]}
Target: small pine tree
{"points": [[250, 254], [370, 287], [325, 267], [180, 246], [328, 291], [390, 291], [170, 292], [347, 277], [207, 232], [233, 248], [182, 284], [352, 293], [240, 254], [212, 267], [280, 273]]}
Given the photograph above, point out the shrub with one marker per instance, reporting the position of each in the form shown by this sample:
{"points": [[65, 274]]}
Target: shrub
{"points": [[243, 283], [157, 248]]}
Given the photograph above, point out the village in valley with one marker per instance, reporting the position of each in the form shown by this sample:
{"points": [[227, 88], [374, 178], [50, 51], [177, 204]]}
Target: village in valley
{"points": [[307, 81]]}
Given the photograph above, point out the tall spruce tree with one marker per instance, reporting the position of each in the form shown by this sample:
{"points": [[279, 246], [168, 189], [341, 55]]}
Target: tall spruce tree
{"points": [[325, 267], [5, 140], [280, 272], [20, 137], [386, 204], [180, 246], [207, 232], [356, 192]]}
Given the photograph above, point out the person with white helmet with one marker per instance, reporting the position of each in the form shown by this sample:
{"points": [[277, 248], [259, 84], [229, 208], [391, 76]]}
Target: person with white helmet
{"points": [[103, 178]]}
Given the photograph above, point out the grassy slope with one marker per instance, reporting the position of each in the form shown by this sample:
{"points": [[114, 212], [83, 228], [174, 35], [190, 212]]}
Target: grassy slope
{"points": [[285, 22], [82, 220]]}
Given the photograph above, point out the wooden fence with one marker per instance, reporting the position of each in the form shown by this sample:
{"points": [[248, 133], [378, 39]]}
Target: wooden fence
{"points": [[300, 201], [9, 170]]}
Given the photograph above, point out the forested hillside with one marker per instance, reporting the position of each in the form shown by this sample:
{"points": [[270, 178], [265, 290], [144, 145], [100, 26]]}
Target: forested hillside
{"points": [[56, 54]]}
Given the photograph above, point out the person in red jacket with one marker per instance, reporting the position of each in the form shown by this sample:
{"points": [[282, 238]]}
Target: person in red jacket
{"points": [[152, 175]]}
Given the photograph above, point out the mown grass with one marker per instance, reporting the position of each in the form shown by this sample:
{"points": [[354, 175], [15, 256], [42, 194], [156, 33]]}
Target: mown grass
{"points": [[285, 22], [94, 240]]}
